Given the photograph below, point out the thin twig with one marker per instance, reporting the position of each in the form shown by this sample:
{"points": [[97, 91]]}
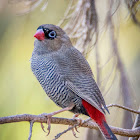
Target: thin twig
{"points": [[106, 79], [31, 128], [70, 128], [136, 124], [123, 107], [132, 6], [65, 131], [66, 13], [33, 7]]}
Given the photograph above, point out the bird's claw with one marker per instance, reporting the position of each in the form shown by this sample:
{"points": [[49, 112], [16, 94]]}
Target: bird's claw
{"points": [[80, 121], [48, 122], [42, 126], [76, 129], [49, 125], [74, 134]]}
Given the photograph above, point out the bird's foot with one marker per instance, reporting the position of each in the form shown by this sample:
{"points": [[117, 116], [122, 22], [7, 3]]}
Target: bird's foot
{"points": [[80, 121], [49, 116]]}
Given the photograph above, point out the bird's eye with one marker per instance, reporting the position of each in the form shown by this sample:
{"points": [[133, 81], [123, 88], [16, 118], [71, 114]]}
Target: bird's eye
{"points": [[52, 34], [49, 34]]}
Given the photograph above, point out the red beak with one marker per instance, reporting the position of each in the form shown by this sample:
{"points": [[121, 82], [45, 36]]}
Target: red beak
{"points": [[40, 34]]}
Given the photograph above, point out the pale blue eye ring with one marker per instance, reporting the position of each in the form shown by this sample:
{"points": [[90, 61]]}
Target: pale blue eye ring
{"points": [[52, 34]]}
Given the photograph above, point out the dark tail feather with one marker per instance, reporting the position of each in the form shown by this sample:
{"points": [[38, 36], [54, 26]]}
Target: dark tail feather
{"points": [[106, 131]]}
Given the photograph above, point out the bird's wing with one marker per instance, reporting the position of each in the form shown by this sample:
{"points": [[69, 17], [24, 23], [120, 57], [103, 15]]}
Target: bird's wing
{"points": [[78, 76], [87, 97]]}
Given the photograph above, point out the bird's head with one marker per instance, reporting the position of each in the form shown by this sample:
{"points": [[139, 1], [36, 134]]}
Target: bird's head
{"points": [[51, 37]]}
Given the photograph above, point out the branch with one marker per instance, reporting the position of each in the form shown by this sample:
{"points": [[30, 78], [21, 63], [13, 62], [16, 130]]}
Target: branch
{"points": [[55, 120], [123, 107], [136, 124]]}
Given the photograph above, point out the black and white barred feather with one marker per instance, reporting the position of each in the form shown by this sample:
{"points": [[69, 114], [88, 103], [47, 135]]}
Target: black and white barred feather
{"points": [[67, 78]]}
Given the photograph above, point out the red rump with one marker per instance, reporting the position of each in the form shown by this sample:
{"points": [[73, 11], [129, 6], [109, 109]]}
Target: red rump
{"points": [[94, 113], [99, 118]]}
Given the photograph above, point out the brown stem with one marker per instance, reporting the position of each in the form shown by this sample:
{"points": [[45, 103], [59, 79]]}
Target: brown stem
{"points": [[55, 120]]}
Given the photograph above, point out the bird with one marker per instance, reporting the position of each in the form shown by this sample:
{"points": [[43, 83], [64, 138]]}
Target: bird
{"points": [[66, 77]]}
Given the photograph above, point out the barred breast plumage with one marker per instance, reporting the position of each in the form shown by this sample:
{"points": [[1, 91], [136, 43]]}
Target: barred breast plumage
{"points": [[47, 73]]}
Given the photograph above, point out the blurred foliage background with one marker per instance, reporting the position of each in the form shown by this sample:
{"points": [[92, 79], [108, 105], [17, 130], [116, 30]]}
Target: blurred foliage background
{"points": [[21, 93]]}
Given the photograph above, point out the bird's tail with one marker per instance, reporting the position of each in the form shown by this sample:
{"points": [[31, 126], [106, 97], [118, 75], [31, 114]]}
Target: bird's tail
{"points": [[99, 118], [106, 131]]}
